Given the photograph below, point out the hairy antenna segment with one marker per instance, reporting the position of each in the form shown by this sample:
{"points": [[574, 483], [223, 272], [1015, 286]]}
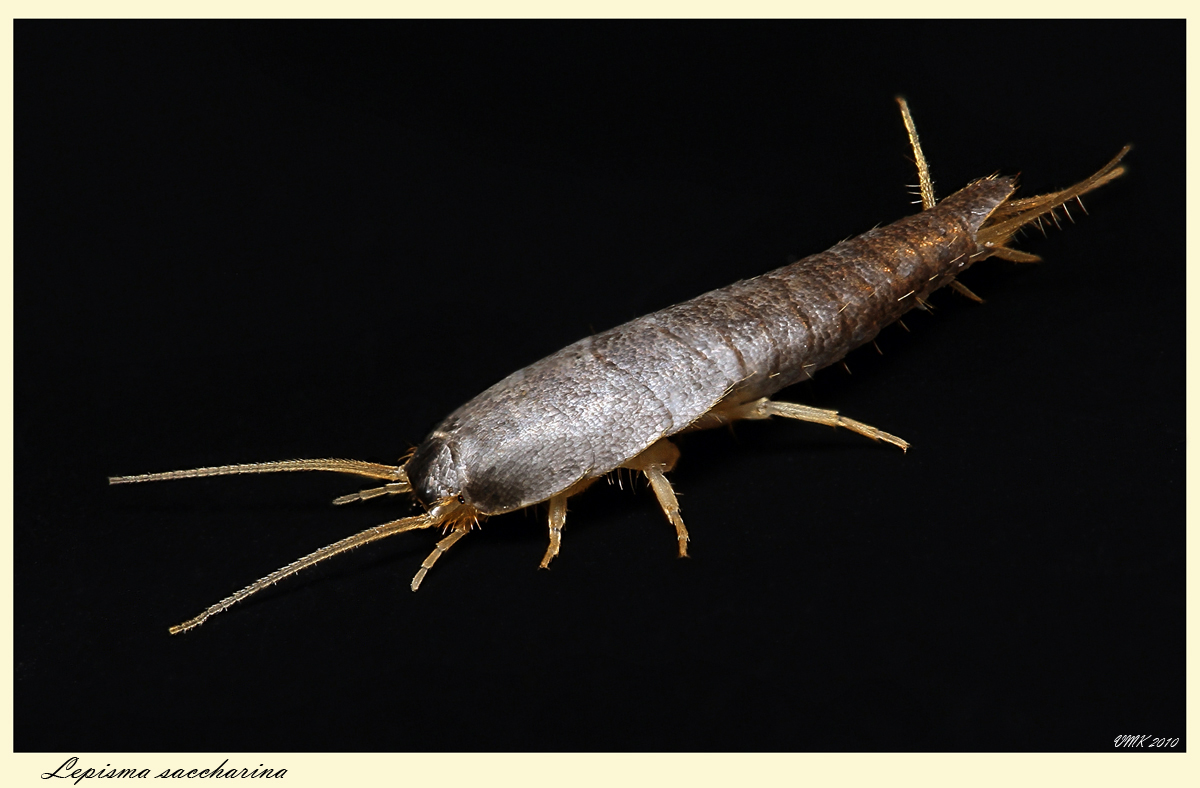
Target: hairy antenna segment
{"points": [[430, 519], [371, 469]]}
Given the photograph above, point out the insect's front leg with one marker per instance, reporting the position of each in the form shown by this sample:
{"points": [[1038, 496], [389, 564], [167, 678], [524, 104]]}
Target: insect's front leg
{"points": [[655, 461], [558, 518]]}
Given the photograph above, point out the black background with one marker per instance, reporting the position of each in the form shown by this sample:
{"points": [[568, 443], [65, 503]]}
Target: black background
{"points": [[264, 241]]}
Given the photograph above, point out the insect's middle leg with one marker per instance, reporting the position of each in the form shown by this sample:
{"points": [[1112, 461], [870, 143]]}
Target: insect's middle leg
{"points": [[765, 408], [558, 518], [655, 462]]}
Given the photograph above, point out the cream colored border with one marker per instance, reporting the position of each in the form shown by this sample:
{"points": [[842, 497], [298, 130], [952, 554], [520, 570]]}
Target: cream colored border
{"points": [[531, 771]]}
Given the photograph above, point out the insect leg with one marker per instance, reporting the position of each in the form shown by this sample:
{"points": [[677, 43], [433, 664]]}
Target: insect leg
{"points": [[558, 518], [766, 408], [654, 462], [670, 506], [458, 533]]}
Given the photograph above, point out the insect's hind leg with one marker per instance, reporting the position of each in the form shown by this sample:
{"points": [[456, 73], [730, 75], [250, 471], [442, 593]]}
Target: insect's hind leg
{"points": [[655, 461], [765, 408]]}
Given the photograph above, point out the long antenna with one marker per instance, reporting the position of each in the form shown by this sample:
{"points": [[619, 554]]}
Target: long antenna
{"points": [[371, 469], [427, 520]]}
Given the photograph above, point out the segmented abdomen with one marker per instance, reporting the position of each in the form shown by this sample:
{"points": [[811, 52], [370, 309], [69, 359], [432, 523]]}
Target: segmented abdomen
{"points": [[779, 328]]}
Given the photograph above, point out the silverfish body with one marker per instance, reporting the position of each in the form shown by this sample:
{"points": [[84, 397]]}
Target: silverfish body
{"points": [[613, 400], [662, 373]]}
